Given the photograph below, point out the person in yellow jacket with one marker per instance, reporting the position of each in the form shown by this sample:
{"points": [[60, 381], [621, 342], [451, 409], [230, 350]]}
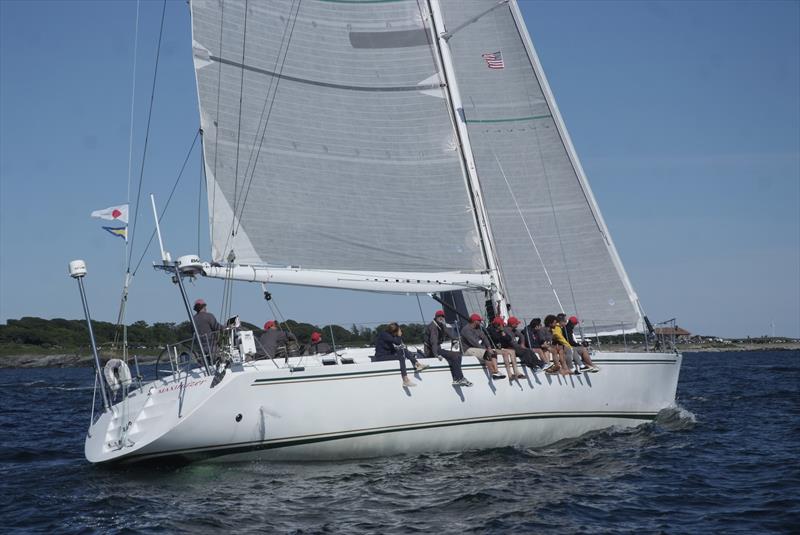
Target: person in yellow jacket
{"points": [[559, 340]]}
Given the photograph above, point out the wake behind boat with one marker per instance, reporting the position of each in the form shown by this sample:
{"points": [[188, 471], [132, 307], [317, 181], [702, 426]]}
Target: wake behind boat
{"points": [[429, 133]]}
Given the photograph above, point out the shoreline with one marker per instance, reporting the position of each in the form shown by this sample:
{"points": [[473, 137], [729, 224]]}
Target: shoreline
{"points": [[72, 360]]}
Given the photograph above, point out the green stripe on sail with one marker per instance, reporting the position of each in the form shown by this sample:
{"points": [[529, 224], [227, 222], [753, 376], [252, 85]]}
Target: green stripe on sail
{"points": [[510, 119]]}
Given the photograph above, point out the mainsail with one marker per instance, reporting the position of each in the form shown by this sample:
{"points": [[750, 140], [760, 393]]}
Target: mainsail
{"points": [[328, 140], [330, 143], [554, 250]]}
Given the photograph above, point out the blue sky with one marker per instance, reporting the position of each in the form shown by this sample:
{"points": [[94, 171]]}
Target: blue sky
{"points": [[686, 117]]}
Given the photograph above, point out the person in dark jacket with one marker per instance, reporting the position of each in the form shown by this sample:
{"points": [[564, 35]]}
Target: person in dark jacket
{"points": [[271, 339], [502, 343], [533, 335], [569, 330], [207, 327], [435, 333], [475, 343], [389, 346], [316, 346], [525, 354]]}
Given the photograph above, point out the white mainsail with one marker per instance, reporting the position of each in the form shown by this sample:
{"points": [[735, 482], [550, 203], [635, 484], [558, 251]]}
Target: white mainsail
{"points": [[328, 141]]}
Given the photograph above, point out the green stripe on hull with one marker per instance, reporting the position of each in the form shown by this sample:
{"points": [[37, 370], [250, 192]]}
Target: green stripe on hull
{"points": [[379, 373]]}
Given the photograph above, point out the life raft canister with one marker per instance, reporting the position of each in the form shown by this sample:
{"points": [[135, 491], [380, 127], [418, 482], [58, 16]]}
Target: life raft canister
{"points": [[117, 374]]}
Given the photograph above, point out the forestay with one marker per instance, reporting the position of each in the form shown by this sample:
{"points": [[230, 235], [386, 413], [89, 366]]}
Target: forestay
{"points": [[533, 186], [328, 141]]}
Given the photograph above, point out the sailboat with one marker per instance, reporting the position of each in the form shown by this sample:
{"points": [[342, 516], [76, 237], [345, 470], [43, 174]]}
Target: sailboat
{"points": [[399, 146]]}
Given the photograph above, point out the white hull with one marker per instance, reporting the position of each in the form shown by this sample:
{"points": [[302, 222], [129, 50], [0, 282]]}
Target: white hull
{"points": [[360, 410]]}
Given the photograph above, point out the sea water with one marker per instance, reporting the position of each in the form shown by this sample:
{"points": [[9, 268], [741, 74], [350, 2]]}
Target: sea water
{"points": [[724, 459]]}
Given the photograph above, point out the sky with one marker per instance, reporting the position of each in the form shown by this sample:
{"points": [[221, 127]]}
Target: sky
{"points": [[685, 115]]}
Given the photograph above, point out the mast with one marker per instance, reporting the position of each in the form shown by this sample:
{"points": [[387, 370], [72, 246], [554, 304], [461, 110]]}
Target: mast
{"points": [[473, 183]]}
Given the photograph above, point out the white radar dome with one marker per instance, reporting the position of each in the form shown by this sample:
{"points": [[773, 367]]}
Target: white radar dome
{"points": [[77, 269], [190, 264]]}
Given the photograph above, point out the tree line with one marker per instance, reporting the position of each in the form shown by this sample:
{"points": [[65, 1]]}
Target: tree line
{"points": [[67, 334]]}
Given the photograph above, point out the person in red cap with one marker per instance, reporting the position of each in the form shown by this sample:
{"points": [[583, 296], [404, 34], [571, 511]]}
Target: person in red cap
{"points": [[538, 340], [475, 343], [271, 339], [502, 341], [526, 355], [207, 327], [569, 330], [436, 333], [317, 346]]}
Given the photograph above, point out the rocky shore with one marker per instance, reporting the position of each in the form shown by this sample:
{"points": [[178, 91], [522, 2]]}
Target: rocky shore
{"points": [[58, 361]]}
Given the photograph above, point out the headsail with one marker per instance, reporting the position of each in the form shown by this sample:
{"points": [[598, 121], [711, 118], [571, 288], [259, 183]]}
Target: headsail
{"points": [[549, 236], [328, 141]]}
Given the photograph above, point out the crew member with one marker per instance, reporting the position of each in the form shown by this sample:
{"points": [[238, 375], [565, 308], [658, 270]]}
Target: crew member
{"points": [[569, 329], [475, 343], [207, 327], [563, 346], [271, 339], [389, 346], [317, 346], [503, 343], [535, 339], [436, 333], [517, 342]]}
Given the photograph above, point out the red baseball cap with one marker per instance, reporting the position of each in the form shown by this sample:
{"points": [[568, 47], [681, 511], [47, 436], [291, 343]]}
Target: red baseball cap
{"points": [[438, 313], [573, 320], [316, 337], [498, 320], [513, 321], [269, 324], [475, 317]]}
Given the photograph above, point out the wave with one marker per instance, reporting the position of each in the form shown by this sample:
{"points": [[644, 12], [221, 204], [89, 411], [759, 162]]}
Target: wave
{"points": [[34, 384], [45, 385], [676, 418]]}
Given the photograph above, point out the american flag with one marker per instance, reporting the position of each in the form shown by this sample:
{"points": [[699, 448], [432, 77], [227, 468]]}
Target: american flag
{"points": [[494, 60]]}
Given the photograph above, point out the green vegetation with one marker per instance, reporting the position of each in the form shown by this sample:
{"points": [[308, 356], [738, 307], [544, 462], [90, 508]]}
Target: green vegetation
{"points": [[31, 335]]}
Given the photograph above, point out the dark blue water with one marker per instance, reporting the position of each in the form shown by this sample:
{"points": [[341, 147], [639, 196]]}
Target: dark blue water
{"points": [[725, 460]]}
